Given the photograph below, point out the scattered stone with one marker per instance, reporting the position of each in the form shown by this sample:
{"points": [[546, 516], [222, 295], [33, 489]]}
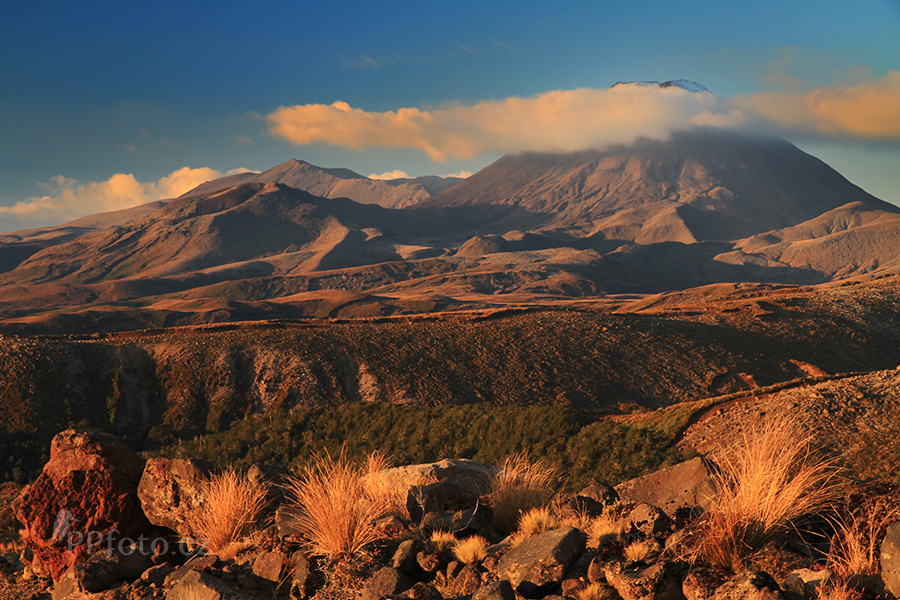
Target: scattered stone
{"points": [[702, 582], [453, 569], [430, 562], [422, 591], [749, 585], [465, 583], [689, 483], [84, 500], [805, 582], [196, 585], [661, 581], [101, 571], [440, 497], [405, 558], [648, 520], [890, 559], [268, 565], [170, 491], [156, 576], [496, 590], [305, 579], [286, 522], [470, 474], [541, 561], [391, 525], [596, 570], [386, 581]]}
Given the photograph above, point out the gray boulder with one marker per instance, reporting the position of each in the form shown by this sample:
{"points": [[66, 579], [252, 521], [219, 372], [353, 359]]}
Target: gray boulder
{"points": [[170, 491], [386, 581], [540, 562], [496, 590], [689, 483], [102, 571], [890, 559], [749, 585], [661, 581]]}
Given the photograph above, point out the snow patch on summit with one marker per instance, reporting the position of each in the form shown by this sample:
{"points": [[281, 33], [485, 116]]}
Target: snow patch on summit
{"points": [[690, 86]]}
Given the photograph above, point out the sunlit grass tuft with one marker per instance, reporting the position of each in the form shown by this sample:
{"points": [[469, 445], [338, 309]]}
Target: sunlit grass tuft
{"points": [[520, 485], [533, 522], [471, 550], [232, 503], [335, 510], [766, 481]]}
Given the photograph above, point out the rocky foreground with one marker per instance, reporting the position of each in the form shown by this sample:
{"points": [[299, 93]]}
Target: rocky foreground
{"points": [[102, 522]]}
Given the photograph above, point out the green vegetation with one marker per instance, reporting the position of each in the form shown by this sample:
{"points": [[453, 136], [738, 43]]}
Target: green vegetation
{"points": [[580, 445]]}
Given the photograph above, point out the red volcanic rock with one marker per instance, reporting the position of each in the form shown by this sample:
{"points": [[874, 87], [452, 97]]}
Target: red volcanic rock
{"points": [[84, 501]]}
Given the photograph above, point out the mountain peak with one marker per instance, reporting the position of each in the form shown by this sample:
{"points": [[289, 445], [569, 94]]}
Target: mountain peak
{"points": [[690, 86]]}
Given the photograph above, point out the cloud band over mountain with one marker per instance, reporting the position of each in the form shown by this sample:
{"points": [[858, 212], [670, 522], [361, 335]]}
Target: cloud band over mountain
{"points": [[569, 120]]}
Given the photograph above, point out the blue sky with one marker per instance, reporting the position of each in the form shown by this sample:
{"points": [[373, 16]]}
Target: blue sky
{"points": [[105, 104]]}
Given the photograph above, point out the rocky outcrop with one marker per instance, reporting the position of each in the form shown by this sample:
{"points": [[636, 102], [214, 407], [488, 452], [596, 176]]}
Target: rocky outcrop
{"points": [[85, 500], [689, 483], [170, 492], [540, 562]]}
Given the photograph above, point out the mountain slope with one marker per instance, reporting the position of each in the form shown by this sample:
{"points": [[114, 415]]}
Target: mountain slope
{"points": [[335, 183], [698, 186]]}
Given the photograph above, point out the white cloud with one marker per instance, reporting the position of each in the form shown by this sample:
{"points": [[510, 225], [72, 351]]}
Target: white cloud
{"points": [[395, 174], [67, 199], [462, 174], [568, 120]]}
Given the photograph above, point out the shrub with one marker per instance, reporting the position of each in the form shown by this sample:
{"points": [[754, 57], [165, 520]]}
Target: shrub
{"points": [[471, 549], [232, 504], [766, 482], [334, 510], [533, 522], [521, 484]]}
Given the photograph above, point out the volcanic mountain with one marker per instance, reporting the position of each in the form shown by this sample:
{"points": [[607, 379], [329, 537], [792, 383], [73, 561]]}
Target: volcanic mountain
{"points": [[703, 207], [336, 183]]}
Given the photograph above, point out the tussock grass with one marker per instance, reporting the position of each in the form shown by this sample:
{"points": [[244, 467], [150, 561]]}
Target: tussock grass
{"points": [[596, 591], [442, 540], [232, 505], [638, 551], [335, 510], [533, 522], [766, 482], [854, 545], [380, 487], [520, 485], [471, 550], [838, 591]]}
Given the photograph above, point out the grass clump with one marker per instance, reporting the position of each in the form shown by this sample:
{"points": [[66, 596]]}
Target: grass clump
{"points": [[596, 591], [335, 509], [638, 551], [442, 540], [533, 522], [854, 545], [232, 504], [766, 482], [520, 485], [471, 550]]}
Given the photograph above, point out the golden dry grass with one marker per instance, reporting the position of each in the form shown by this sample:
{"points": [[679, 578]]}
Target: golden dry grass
{"points": [[442, 540], [231, 507], [766, 481], [604, 529], [533, 522], [521, 484], [381, 487], [596, 591], [838, 591], [854, 546], [638, 551], [471, 550], [335, 511]]}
